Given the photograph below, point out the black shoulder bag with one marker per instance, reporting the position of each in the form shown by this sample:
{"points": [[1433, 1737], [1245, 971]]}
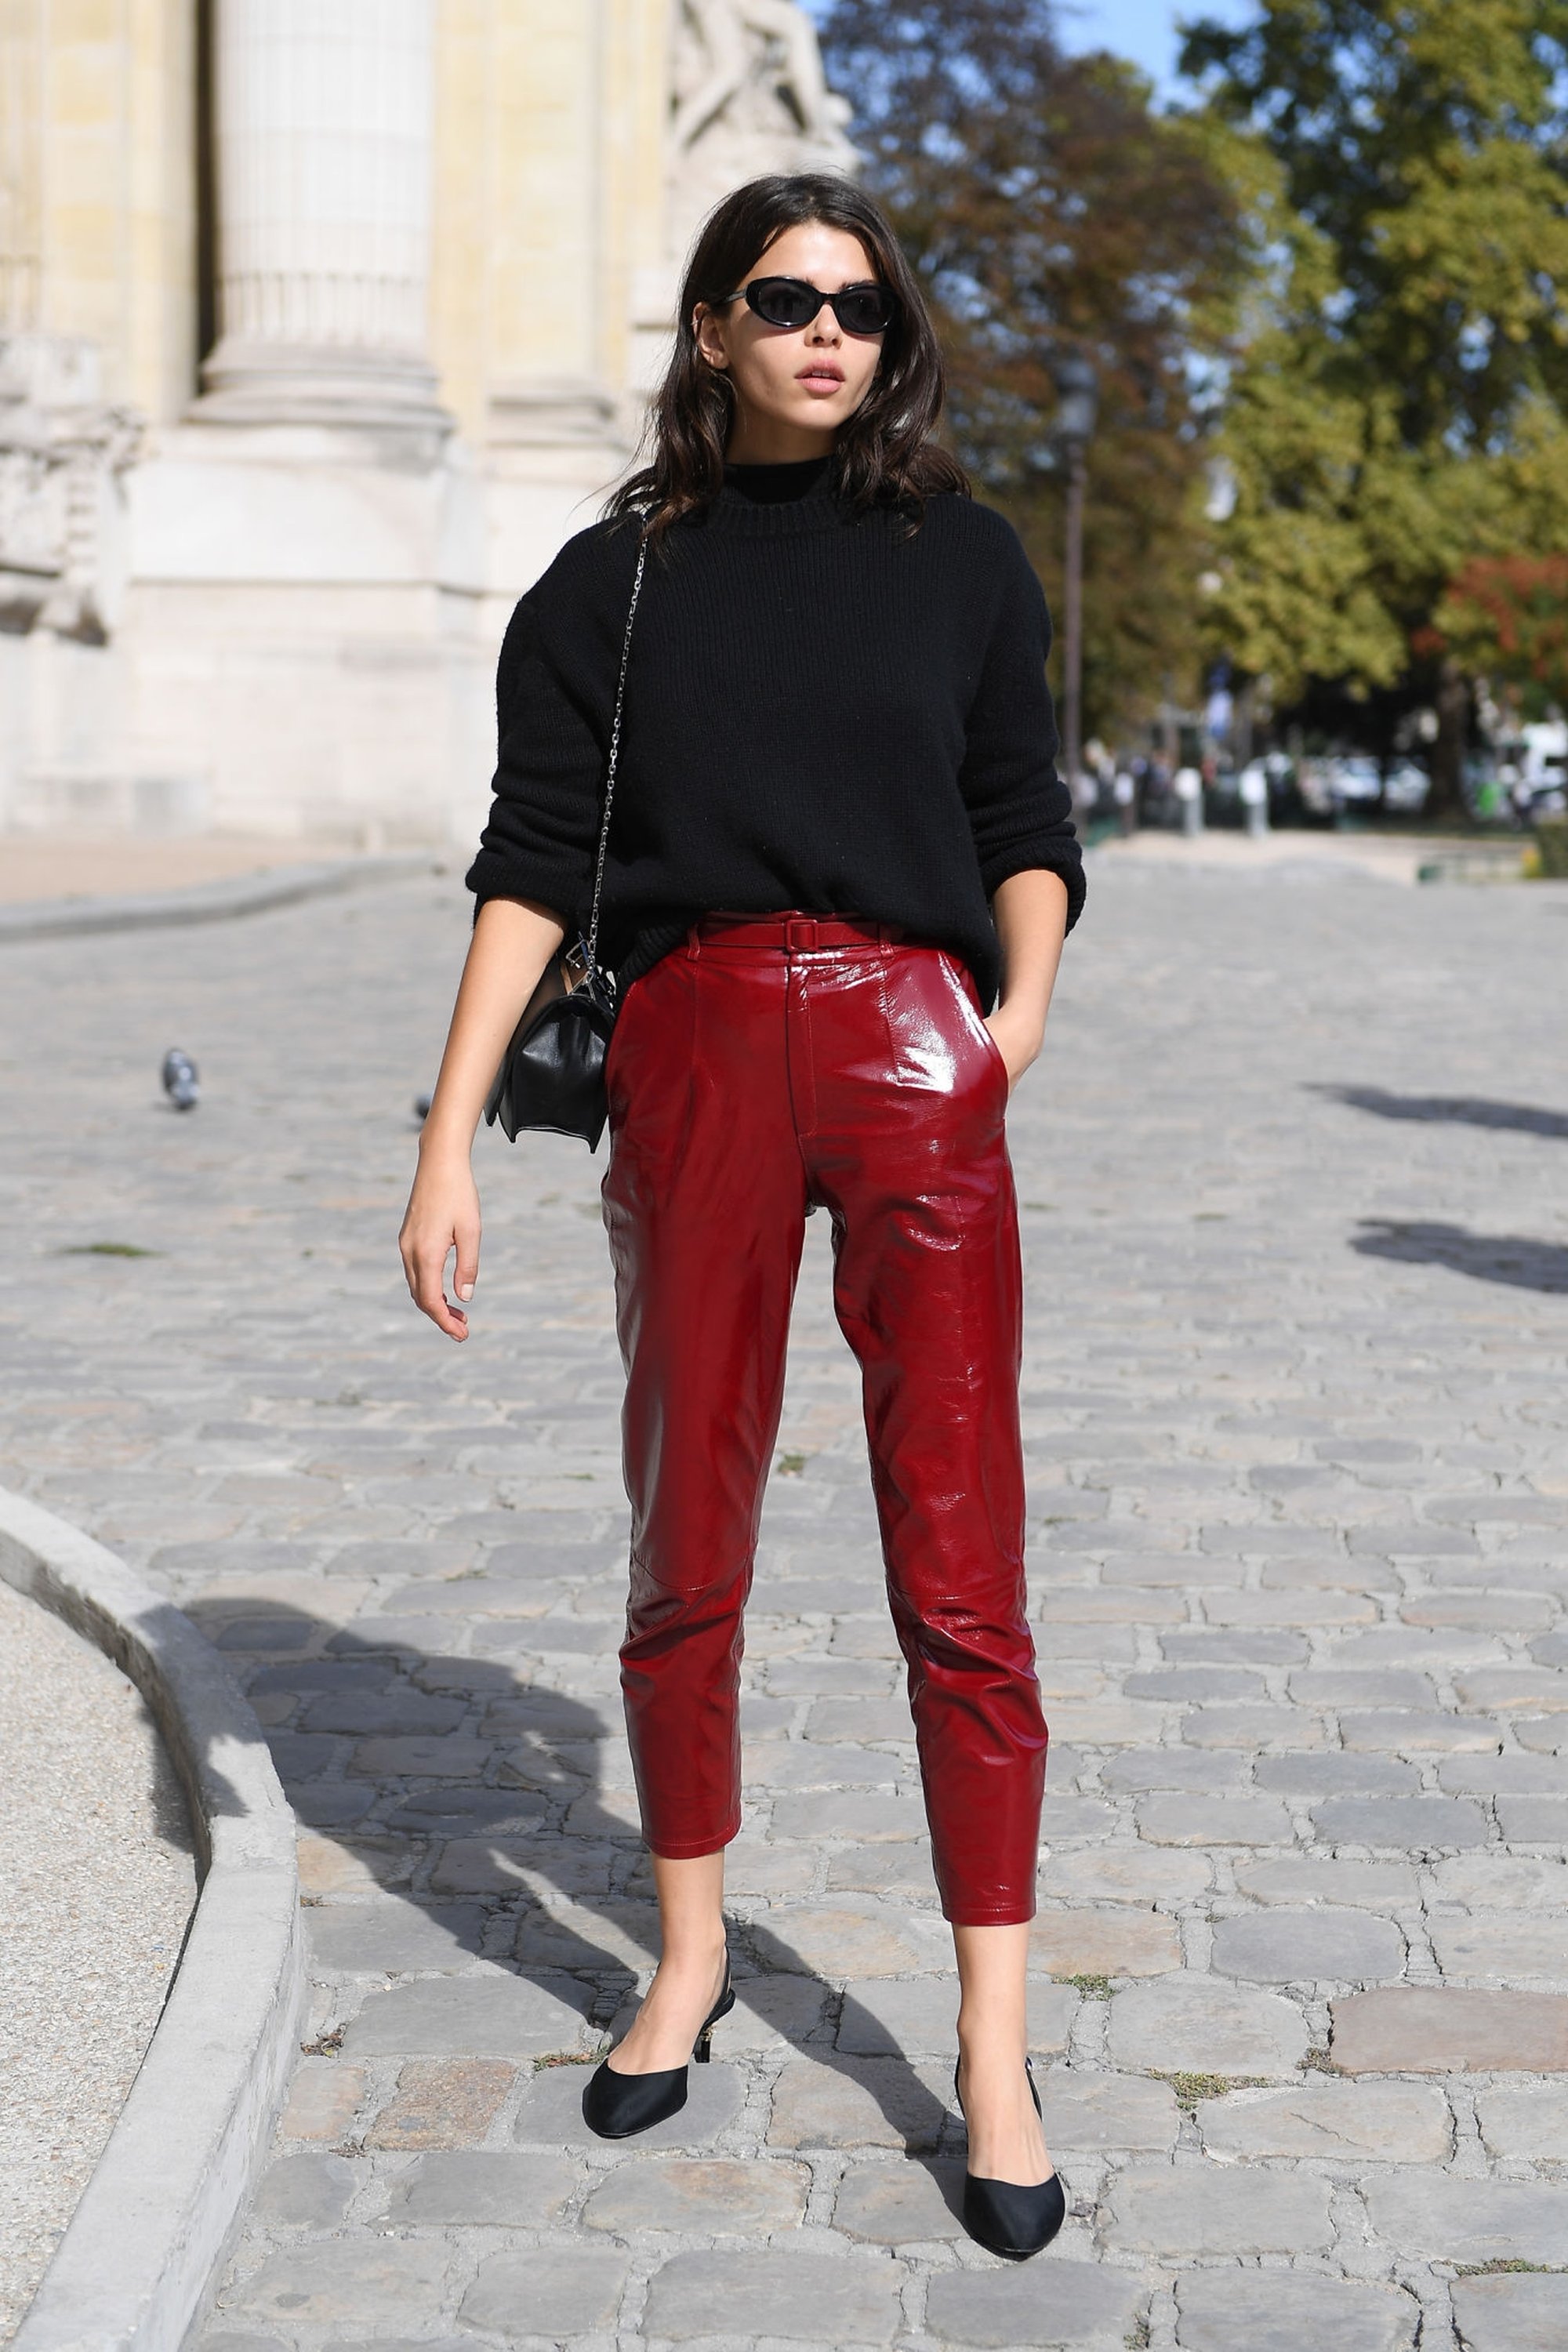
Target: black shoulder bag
{"points": [[553, 1072]]}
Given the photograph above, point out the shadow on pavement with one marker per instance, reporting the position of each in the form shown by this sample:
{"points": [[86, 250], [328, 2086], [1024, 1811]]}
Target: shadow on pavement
{"points": [[1455, 1110], [1486, 1258], [494, 1828]]}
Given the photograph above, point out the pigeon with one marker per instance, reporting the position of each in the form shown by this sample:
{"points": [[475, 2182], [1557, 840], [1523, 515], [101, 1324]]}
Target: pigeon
{"points": [[180, 1083]]}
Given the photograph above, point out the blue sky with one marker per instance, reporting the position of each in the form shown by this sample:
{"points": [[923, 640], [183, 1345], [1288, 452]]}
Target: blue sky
{"points": [[1143, 30]]}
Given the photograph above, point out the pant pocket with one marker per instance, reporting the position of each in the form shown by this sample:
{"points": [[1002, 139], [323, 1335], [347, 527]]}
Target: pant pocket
{"points": [[968, 996], [647, 1068]]}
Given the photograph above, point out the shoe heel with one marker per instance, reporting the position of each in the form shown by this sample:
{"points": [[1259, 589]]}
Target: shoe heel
{"points": [[702, 2049]]}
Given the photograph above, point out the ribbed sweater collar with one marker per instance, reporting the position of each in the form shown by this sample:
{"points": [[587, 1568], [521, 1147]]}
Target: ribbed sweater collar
{"points": [[771, 501]]}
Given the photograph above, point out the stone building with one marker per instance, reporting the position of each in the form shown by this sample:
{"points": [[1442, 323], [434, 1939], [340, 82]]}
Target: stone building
{"points": [[322, 323]]}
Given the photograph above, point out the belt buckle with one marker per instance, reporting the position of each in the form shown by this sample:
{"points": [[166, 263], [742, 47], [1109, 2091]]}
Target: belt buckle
{"points": [[800, 925]]}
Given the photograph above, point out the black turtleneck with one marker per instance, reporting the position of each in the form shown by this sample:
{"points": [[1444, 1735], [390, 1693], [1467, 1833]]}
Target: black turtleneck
{"points": [[821, 713]]}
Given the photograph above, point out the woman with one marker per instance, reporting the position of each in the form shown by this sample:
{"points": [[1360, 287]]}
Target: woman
{"points": [[837, 833]]}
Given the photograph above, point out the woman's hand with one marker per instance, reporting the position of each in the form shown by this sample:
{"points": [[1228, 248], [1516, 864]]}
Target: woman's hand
{"points": [[1031, 912], [442, 1216], [513, 940], [1017, 1035]]}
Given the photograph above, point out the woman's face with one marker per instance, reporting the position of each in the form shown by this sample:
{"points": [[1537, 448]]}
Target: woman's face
{"points": [[794, 386]]}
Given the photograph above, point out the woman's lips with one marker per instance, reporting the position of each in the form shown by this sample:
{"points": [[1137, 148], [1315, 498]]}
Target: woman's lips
{"points": [[822, 380]]}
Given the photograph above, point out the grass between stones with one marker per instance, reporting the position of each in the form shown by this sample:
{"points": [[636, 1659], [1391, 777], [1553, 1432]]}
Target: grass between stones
{"points": [[1505, 2265], [325, 2045], [567, 2058], [1093, 1987], [105, 1249], [1190, 2088]]}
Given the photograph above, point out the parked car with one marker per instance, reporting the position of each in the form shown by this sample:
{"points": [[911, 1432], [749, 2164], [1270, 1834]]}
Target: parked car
{"points": [[1312, 782], [1356, 780], [1404, 788], [1547, 798], [1354, 783], [1345, 780], [1535, 772]]}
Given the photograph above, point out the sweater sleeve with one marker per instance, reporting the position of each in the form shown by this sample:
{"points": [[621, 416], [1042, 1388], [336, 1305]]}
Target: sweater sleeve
{"points": [[542, 833], [1020, 810]]}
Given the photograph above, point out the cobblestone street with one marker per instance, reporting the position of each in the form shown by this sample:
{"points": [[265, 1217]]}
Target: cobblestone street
{"points": [[1295, 1233]]}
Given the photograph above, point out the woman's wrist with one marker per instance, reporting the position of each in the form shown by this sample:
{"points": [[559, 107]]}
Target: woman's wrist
{"points": [[445, 1146], [1024, 1014], [1031, 912]]}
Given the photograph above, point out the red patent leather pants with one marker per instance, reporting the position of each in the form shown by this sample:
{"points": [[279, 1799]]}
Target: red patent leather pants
{"points": [[766, 1064]]}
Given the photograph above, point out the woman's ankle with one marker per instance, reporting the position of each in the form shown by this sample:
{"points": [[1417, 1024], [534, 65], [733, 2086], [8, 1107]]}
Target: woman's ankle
{"points": [[694, 1956], [988, 2036], [690, 1914]]}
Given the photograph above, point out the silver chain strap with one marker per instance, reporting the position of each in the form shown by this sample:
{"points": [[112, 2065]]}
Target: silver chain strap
{"points": [[610, 764]]}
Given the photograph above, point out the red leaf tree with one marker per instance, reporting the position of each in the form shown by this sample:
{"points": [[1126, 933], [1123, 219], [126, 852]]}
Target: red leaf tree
{"points": [[1507, 616]]}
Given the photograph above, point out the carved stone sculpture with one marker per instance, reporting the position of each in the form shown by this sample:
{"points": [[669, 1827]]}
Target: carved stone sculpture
{"points": [[62, 452], [749, 97]]}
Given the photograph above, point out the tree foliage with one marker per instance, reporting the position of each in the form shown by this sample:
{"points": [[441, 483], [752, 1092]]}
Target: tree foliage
{"points": [[1398, 400], [1508, 615], [1048, 209]]}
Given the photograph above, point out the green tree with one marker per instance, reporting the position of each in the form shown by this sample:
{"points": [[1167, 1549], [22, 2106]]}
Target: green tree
{"points": [[1398, 404], [1048, 209]]}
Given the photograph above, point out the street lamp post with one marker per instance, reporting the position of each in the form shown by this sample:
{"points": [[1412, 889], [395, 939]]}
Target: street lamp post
{"points": [[1076, 382]]}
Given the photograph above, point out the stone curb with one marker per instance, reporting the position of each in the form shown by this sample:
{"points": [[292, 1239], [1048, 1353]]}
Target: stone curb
{"points": [[133, 2268], [205, 902]]}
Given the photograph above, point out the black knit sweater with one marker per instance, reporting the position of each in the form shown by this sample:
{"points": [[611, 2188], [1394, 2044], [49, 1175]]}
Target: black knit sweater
{"points": [[820, 713]]}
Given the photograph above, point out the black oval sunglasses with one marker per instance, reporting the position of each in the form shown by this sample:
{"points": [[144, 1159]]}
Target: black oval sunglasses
{"points": [[866, 309]]}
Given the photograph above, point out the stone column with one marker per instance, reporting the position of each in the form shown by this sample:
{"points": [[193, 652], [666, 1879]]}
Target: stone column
{"points": [[547, 385], [21, 226], [324, 122]]}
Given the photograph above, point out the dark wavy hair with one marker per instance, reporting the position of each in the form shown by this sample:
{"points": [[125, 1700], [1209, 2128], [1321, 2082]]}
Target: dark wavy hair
{"points": [[884, 454]]}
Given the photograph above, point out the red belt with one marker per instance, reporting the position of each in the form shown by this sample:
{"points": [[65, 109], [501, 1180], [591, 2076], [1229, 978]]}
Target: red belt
{"points": [[798, 933]]}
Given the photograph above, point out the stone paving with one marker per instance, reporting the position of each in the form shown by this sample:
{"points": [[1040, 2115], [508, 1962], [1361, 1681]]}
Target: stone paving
{"points": [[1297, 1238], [97, 1882], [40, 866]]}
